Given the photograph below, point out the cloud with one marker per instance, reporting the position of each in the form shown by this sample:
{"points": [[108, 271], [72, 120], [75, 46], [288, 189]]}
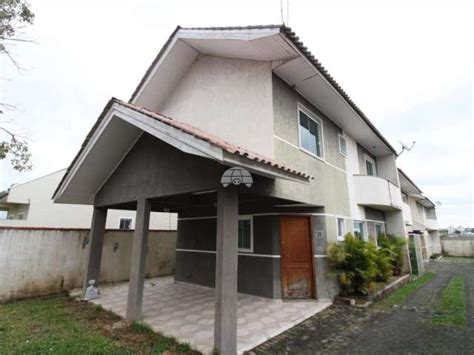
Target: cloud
{"points": [[407, 64]]}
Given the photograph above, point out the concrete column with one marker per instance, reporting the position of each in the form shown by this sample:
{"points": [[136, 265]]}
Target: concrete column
{"points": [[137, 269], [225, 322], [96, 242]]}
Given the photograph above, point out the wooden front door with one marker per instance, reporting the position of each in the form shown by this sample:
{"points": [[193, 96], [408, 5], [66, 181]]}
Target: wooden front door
{"points": [[296, 257]]}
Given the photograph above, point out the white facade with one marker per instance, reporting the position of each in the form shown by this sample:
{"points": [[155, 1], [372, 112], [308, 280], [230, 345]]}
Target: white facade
{"points": [[30, 205]]}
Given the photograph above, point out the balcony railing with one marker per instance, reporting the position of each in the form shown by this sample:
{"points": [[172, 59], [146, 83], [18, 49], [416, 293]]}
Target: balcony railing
{"points": [[376, 192]]}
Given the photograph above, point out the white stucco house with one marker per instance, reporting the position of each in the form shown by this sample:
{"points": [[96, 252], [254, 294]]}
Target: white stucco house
{"points": [[30, 204]]}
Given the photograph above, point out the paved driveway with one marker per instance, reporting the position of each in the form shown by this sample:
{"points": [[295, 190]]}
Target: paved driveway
{"points": [[400, 330]]}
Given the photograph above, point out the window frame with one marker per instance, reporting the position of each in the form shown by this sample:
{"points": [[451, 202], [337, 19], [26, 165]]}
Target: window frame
{"points": [[246, 250], [372, 161], [341, 136], [319, 122], [340, 238], [126, 218], [365, 237], [383, 228]]}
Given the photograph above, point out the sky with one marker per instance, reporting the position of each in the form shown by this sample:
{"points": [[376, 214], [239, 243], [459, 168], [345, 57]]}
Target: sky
{"points": [[407, 65]]}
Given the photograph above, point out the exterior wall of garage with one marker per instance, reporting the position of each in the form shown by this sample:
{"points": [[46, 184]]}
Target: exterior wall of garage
{"points": [[258, 271]]}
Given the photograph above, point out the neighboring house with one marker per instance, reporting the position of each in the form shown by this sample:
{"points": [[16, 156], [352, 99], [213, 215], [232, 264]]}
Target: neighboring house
{"points": [[30, 204], [420, 216], [252, 97]]}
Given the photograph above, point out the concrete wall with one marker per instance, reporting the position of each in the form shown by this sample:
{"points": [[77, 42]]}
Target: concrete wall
{"points": [[458, 246], [227, 97], [329, 188], [42, 261], [39, 210]]}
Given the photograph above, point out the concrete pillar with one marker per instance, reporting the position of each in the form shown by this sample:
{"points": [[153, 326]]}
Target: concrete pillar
{"points": [[225, 322], [418, 257], [96, 242], [137, 269]]}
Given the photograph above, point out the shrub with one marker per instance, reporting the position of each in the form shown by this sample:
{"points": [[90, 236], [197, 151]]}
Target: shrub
{"points": [[354, 265], [393, 247], [358, 264]]}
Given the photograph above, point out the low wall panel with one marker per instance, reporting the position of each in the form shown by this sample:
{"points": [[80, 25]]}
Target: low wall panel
{"points": [[41, 261], [458, 246]]}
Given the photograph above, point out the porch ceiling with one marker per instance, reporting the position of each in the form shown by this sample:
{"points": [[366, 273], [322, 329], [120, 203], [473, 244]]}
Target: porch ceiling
{"points": [[204, 203]]}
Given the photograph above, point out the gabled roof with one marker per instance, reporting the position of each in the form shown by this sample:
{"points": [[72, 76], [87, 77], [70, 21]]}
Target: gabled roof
{"points": [[128, 121], [410, 188], [407, 184], [294, 63]]}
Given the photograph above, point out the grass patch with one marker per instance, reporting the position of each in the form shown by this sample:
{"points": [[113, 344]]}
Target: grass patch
{"points": [[401, 294], [60, 325], [452, 307]]}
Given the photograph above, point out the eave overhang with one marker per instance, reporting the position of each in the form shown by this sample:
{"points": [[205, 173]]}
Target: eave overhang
{"points": [[119, 127], [291, 61]]}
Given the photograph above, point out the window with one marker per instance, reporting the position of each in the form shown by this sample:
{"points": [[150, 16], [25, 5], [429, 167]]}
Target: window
{"points": [[310, 133], [246, 233], [341, 228], [404, 197], [342, 145], [421, 211], [125, 223], [359, 229], [379, 230], [370, 166], [20, 216]]}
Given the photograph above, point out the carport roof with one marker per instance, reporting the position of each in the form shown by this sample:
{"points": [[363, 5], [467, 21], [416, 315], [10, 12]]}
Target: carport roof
{"points": [[183, 136]]}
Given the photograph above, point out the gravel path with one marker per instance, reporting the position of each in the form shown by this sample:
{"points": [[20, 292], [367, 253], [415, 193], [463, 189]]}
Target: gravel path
{"points": [[398, 330]]}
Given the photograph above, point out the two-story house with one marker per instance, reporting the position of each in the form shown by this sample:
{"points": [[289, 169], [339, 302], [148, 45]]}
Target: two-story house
{"points": [[419, 213], [249, 97], [29, 204]]}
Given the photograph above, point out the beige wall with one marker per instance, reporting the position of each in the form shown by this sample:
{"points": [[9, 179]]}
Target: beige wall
{"points": [[40, 211], [42, 261], [230, 98], [458, 246], [329, 188]]}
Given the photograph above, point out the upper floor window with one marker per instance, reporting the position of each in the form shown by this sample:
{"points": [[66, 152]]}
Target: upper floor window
{"points": [[310, 128], [342, 145], [125, 223], [245, 234], [421, 210], [370, 166], [404, 197]]}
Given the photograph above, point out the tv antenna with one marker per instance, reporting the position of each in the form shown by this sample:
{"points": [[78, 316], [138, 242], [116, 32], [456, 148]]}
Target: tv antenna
{"points": [[405, 147], [287, 12]]}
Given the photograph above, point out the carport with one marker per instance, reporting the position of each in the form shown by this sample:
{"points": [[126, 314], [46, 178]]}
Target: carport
{"points": [[137, 159]]}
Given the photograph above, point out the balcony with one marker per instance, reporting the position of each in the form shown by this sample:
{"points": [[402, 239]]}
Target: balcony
{"points": [[406, 209], [431, 224], [378, 193]]}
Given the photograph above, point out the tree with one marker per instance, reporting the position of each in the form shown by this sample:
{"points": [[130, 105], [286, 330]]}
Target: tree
{"points": [[14, 16]]}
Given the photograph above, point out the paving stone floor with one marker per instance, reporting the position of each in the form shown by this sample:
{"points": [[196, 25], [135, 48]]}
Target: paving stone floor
{"points": [[186, 311], [406, 329]]}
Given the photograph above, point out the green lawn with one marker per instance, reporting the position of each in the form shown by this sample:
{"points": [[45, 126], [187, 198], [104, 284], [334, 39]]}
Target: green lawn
{"points": [[401, 294], [452, 307], [60, 325]]}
